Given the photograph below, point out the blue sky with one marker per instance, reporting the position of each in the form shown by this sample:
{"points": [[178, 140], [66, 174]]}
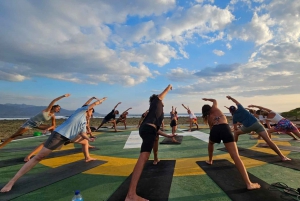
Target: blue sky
{"points": [[128, 50]]}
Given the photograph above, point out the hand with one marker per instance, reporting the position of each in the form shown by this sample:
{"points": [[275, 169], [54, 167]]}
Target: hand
{"points": [[170, 86], [92, 139], [205, 99], [67, 95], [251, 106], [229, 97], [172, 135], [119, 103], [130, 108]]}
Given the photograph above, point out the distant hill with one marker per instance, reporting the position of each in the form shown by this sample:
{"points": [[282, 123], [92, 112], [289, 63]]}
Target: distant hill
{"points": [[22, 111]]}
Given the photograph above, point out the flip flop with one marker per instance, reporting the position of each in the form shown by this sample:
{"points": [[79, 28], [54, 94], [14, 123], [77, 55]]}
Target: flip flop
{"points": [[280, 185]]}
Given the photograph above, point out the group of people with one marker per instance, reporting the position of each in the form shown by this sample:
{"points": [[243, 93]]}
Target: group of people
{"points": [[74, 129]]}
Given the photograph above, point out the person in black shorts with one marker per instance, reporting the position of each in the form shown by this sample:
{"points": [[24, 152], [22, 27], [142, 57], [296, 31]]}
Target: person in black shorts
{"points": [[110, 118], [149, 130], [173, 124], [122, 117], [220, 130]]}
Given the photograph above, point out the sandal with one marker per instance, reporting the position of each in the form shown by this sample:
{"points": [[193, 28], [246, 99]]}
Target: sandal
{"points": [[280, 185]]}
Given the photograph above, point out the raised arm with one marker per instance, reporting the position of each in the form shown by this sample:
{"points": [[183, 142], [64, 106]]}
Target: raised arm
{"points": [[226, 107], [211, 100], [185, 107], [97, 103], [54, 101], [262, 108], [117, 105], [164, 93], [126, 110], [235, 101], [89, 101]]}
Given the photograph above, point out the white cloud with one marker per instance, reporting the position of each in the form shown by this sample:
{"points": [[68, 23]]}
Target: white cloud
{"points": [[228, 46], [257, 30], [180, 75], [218, 52]]}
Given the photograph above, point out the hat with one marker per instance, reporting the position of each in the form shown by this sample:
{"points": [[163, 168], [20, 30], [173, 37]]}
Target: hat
{"points": [[232, 109]]}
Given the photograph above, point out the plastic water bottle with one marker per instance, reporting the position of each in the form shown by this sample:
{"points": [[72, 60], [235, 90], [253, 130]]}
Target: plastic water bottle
{"points": [[77, 196]]}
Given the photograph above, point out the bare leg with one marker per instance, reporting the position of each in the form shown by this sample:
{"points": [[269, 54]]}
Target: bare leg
{"points": [[36, 150], [236, 134], [296, 132], [273, 146], [155, 150], [197, 125], [233, 151], [115, 125], [173, 132], [136, 174], [19, 132], [125, 124], [25, 168], [85, 149], [191, 124], [210, 152], [292, 135], [100, 125]]}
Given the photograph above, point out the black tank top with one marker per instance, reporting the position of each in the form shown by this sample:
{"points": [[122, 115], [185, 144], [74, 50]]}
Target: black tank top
{"points": [[155, 115]]}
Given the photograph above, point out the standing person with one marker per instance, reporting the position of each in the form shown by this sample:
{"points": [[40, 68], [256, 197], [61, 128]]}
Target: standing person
{"points": [[110, 118], [149, 130], [173, 123], [250, 123], [71, 130], [142, 118], [282, 124], [220, 130], [193, 118], [123, 117], [38, 120]]}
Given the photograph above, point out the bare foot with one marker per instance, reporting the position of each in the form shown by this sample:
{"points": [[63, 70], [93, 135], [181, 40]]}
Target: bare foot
{"points": [[190, 130], [7, 187], [286, 159], [135, 198], [90, 159], [209, 162], [91, 147], [253, 186], [156, 162]]}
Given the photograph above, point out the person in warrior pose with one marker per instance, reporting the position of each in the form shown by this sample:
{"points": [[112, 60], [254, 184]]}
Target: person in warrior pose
{"points": [[193, 118], [149, 130], [122, 117], [220, 130], [110, 117], [71, 130], [37, 121]]}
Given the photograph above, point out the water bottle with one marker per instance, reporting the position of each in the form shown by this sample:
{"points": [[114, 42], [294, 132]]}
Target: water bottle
{"points": [[77, 196]]}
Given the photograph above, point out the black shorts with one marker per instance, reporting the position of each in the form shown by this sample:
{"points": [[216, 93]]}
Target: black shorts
{"points": [[173, 123], [148, 134], [221, 132], [55, 140]]}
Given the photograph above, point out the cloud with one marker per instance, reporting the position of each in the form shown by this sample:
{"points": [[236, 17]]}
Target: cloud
{"points": [[228, 46], [180, 75], [218, 52]]}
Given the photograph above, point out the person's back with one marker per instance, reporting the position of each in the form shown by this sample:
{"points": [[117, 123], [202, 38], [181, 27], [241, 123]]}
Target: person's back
{"points": [[243, 116]]}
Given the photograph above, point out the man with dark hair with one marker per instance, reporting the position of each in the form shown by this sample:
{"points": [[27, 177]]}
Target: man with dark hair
{"points": [[111, 118]]}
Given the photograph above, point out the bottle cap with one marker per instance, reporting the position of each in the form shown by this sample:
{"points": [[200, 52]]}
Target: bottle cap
{"points": [[77, 192]]}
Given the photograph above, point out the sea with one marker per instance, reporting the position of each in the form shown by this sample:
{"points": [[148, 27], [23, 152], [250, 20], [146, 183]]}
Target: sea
{"points": [[102, 116]]}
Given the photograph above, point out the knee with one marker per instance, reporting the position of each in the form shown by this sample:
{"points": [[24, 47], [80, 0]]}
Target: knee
{"points": [[38, 157]]}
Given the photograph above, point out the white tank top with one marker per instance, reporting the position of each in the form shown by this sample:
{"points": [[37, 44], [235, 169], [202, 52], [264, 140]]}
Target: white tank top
{"points": [[41, 117], [276, 118]]}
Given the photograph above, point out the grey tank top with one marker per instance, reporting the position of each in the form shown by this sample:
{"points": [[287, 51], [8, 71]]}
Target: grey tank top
{"points": [[41, 117]]}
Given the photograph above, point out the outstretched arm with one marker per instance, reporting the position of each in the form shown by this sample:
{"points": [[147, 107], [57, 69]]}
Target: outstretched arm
{"points": [[185, 107], [262, 108], [89, 101], [226, 107], [117, 105], [235, 101], [96, 103], [126, 110], [54, 101], [164, 93], [211, 100]]}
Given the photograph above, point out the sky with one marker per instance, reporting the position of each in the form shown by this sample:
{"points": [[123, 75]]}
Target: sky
{"points": [[128, 50]]}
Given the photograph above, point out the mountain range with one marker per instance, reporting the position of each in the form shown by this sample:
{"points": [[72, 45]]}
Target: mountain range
{"points": [[23, 111]]}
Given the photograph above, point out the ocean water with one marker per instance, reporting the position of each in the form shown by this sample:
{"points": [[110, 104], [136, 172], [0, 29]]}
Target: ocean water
{"points": [[199, 115]]}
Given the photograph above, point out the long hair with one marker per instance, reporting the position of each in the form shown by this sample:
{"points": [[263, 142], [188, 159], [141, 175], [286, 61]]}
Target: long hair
{"points": [[205, 113], [54, 106], [264, 113]]}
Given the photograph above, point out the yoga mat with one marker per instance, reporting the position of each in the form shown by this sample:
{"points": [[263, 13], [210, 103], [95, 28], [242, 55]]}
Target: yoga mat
{"points": [[285, 139], [169, 140], [193, 129], [288, 148], [29, 183], [227, 177], [16, 161], [154, 184], [268, 158]]}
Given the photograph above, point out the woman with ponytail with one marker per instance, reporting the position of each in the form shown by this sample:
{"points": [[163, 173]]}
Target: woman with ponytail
{"points": [[220, 130]]}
